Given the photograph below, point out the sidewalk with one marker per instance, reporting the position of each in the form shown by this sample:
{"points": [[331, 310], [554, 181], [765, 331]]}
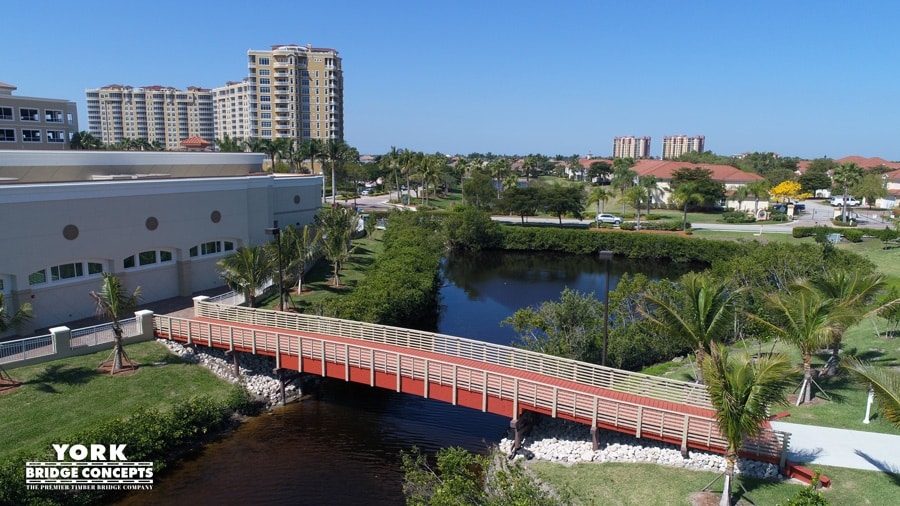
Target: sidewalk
{"points": [[870, 451]]}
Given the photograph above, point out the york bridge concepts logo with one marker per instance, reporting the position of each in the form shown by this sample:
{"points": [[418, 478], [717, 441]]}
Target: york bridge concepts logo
{"points": [[89, 467]]}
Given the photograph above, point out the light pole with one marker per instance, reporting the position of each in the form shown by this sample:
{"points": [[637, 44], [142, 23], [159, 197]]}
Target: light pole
{"points": [[277, 233], [606, 256]]}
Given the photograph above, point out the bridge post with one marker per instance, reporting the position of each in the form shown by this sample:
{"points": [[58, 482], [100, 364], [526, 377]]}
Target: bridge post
{"points": [[520, 425], [280, 372], [595, 438], [236, 360]]}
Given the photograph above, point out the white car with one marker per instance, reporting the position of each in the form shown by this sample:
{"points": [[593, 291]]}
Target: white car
{"points": [[839, 201], [609, 218]]}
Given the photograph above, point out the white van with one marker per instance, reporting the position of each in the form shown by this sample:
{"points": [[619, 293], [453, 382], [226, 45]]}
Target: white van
{"points": [[838, 200]]}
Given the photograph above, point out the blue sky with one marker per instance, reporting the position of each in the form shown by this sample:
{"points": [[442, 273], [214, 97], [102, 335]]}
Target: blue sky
{"points": [[800, 78]]}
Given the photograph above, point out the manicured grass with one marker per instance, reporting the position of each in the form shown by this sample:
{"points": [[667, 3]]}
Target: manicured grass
{"points": [[649, 485], [66, 396], [317, 283]]}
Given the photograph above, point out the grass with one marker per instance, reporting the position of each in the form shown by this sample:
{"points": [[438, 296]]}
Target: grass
{"points": [[65, 396], [650, 485], [317, 282]]}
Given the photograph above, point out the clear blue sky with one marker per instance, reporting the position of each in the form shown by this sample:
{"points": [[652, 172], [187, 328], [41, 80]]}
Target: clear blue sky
{"points": [[800, 78]]}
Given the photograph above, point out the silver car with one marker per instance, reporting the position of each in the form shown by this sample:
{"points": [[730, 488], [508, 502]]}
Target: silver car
{"points": [[609, 218]]}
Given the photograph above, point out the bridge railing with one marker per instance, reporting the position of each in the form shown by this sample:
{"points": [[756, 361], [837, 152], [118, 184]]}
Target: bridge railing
{"points": [[643, 420], [588, 374]]}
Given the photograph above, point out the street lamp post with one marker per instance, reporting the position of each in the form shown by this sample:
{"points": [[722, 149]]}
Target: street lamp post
{"points": [[606, 256], [277, 233]]}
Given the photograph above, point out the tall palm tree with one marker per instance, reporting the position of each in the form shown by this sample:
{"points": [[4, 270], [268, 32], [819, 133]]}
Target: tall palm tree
{"points": [[758, 189], [846, 175], [499, 169], [807, 320], [600, 196], [649, 184], [337, 225], [337, 151], [229, 144], [113, 301], [246, 270], [699, 315], [740, 195], [883, 381], [854, 291], [311, 148], [15, 320], [623, 177], [301, 246], [741, 390], [686, 194]]}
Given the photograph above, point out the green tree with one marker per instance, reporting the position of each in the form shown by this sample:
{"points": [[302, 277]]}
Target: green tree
{"points": [[462, 478], [84, 140], [816, 176], [337, 225], [635, 196], [337, 152], [479, 190], [685, 195], [845, 176], [807, 320], [758, 189], [883, 381], [522, 201], [562, 199], [300, 247], [649, 184], [15, 320], [623, 177], [871, 187], [600, 170], [600, 195], [570, 327], [499, 170], [229, 144], [113, 302], [740, 195], [713, 191], [699, 315], [246, 270], [468, 228], [741, 390]]}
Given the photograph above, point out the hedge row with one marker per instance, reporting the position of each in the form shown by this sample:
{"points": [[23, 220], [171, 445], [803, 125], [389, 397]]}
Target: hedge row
{"points": [[149, 436], [630, 244], [885, 234], [666, 225]]}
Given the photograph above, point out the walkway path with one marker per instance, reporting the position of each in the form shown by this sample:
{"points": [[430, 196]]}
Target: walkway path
{"points": [[870, 451]]}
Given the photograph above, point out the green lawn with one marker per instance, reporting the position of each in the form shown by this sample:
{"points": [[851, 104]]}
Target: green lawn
{"points": [[59, 398], [651, 485]]}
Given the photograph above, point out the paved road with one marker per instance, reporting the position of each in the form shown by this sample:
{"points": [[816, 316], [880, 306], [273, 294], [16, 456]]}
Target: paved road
{"points": [[855, 449]]}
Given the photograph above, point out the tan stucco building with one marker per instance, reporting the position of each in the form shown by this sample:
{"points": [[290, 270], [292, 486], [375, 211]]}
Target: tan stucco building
{"points": [[158, 220], [35, 123]]}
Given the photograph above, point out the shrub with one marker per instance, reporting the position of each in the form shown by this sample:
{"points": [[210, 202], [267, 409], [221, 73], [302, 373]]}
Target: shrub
{"points": [[837, 222], [776, 216], [737, 217], [854, 235], [668, 225]]}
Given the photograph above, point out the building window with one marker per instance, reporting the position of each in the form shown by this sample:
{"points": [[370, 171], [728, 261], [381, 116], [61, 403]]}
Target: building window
{"points": [[26, 114], [147, 258], [31, 136], [7, 135], [6, 113], [211, 248], [51, 116], [65, 272], [265, 89], [263, 61], [263, 72], [264, 80], [56, 136], [37, 277]]}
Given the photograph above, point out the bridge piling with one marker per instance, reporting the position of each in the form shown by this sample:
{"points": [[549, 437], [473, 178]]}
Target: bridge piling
{"points": [[521, 426], [236, 360]]}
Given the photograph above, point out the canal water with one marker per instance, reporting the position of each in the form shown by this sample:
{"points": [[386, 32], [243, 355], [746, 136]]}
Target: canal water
{"points": [[343, 446]]}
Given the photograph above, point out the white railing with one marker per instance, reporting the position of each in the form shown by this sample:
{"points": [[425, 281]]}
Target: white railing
{"points": [[228, 298], [583, 373], [337, 357], [99, 334], [29, 347]]}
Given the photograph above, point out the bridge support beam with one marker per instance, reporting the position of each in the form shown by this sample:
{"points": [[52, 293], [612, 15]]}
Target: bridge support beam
{"points": [[236, 360], [595, 438], [520, 426], [280, 372]]}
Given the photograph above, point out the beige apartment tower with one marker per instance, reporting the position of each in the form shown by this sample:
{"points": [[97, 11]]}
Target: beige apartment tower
{"points": [[677, 145], [35, 123], [631, 147], [296, 92], [232, 110], [158, 114]]}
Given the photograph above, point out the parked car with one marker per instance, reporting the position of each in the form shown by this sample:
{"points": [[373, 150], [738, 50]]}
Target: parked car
{"points": [[838, 200], [609, 218], [799, 208]]}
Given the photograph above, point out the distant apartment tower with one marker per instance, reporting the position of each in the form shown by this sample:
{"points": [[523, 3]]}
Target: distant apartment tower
{"points": [[296, 92], [631, 147], [35, 123], [156, 113], [232, 110], [677, 145]]}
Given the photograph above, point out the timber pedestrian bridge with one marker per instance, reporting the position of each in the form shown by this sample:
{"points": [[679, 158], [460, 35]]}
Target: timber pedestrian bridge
{"points": [[492, 378]]}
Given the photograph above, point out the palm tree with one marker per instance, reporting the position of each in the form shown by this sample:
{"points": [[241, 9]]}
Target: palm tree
{"points": [[635, 196], [758, 189], [312, 148], [686, 194], [807, 320], [230, 144], [499, 169], [741, 390], [854, 291], [336, 151], [883, 381], [700, 314], [337, 225], [113, 301], [301, 247], [740, 195], [623, 177], [246, 270], [15, 320], [846, 175], [649, 183], [84, 140], [600, 196]]}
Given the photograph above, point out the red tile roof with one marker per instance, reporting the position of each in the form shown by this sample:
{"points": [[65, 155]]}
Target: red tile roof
{"points": [[868, 162], [663, 169], [196, 142]]}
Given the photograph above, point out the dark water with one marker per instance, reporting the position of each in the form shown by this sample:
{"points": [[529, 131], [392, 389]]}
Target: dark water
{"points": [[343, 447]]}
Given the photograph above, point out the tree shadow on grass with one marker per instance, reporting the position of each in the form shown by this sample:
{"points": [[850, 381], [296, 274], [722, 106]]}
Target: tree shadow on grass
{"points": [[59, 374], [892, 471]]}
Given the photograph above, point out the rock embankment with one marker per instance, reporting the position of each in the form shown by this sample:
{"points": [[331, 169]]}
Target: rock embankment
{"points": [[256, 371], [566, 442]]}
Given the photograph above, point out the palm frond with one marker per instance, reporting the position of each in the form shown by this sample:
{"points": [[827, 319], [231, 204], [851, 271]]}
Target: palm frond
{"points": [[883, 381]]}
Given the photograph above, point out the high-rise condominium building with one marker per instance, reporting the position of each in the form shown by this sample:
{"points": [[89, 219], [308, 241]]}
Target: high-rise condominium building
{"points": [[631, 147], [155, 113], [232, 109], [296, 92], [677, 145], [35, 123]]}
